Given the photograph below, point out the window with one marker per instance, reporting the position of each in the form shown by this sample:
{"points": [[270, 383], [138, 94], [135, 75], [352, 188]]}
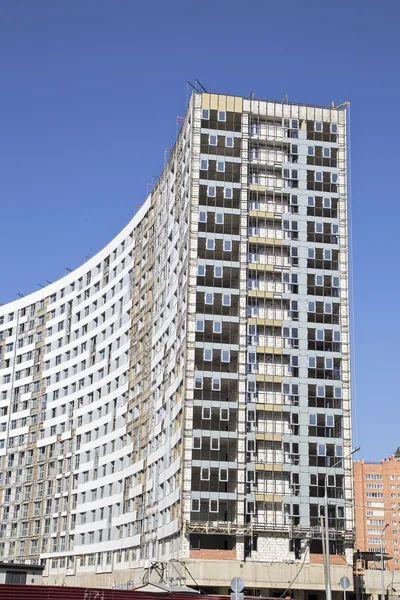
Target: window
{"points": [[205, 114], [312, 419], [212, 140], [311, 362], [251, 358], [329, 420], [219, 218], [208, 298], [206, 413], [223, 474], [327, 152], [216, 384], [227, 245], [251, 445], [318, 176], [229, 141], [199, 325], [218, 271], [334, 178], [327, 203], [210, 244], [217, 326], [211, 191], [251, 387], [311, 253], [220, 166], [221, 115], [204, 164], [318, 126], [196, 443], [251, 329], [214, 443], [203, 217], [208, 354], [311, 307], [201, 270], [310, 201], [228, 193], [226, 299], [196, 504], [329, 364], [334, 128], [205, 474], [321, 450], [225, 356], [310, 150], [224, 414]]}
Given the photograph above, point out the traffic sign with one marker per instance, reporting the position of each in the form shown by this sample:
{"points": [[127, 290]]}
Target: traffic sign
{"points": [[344, 582], [237, 585]]}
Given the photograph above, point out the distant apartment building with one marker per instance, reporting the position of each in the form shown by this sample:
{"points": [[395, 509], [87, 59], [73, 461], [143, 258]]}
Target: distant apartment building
{"points": [[184, 395], [377, 504]]}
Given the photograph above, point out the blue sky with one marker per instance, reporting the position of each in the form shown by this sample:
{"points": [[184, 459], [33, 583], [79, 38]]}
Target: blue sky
{"points": [[90, 91]]}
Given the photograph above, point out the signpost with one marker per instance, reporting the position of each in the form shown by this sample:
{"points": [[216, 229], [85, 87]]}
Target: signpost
{"points": [[344, 584], [237, 586]]}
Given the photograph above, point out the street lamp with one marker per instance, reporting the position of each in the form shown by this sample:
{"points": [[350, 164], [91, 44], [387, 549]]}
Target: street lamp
{"points": [[382, 565], [328, 587]]}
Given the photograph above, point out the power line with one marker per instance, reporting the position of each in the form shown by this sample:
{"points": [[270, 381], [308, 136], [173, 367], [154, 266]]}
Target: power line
{"points": [[299, 571]]}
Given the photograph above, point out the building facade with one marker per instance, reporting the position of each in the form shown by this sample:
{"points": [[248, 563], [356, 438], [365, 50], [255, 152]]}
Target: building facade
{"points": [[185, 394], [377, 504]]}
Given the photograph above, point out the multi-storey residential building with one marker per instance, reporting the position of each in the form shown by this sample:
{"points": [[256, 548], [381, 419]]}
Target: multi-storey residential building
{"points": [[377, 507], [185, 393]]}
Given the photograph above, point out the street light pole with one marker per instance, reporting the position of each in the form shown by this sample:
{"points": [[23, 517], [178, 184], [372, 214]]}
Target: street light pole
{"points": [[328, 587], [382, 564]]}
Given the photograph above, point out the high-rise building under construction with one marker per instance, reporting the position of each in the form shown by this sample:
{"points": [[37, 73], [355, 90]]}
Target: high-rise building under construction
{"points": [[184, 395]]}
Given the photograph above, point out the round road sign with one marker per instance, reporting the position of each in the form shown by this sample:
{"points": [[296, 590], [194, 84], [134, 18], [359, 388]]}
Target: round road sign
{"points": [[237, 584], [344, 582]]}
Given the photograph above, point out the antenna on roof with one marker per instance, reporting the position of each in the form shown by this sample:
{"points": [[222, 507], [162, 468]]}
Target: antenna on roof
{"points": [[285, 98], [191, 85], [251, 95], [201, 85], [21, 295]]}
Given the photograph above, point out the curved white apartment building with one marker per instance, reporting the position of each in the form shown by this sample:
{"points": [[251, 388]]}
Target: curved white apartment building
{"points": [[184, 395]]}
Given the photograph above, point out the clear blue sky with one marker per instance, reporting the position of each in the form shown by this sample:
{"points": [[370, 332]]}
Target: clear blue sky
{"points": [[89, 93]]}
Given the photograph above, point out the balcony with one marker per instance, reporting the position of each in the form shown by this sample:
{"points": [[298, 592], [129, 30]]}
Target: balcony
{"points": [[269, 131], [260, 155]]}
